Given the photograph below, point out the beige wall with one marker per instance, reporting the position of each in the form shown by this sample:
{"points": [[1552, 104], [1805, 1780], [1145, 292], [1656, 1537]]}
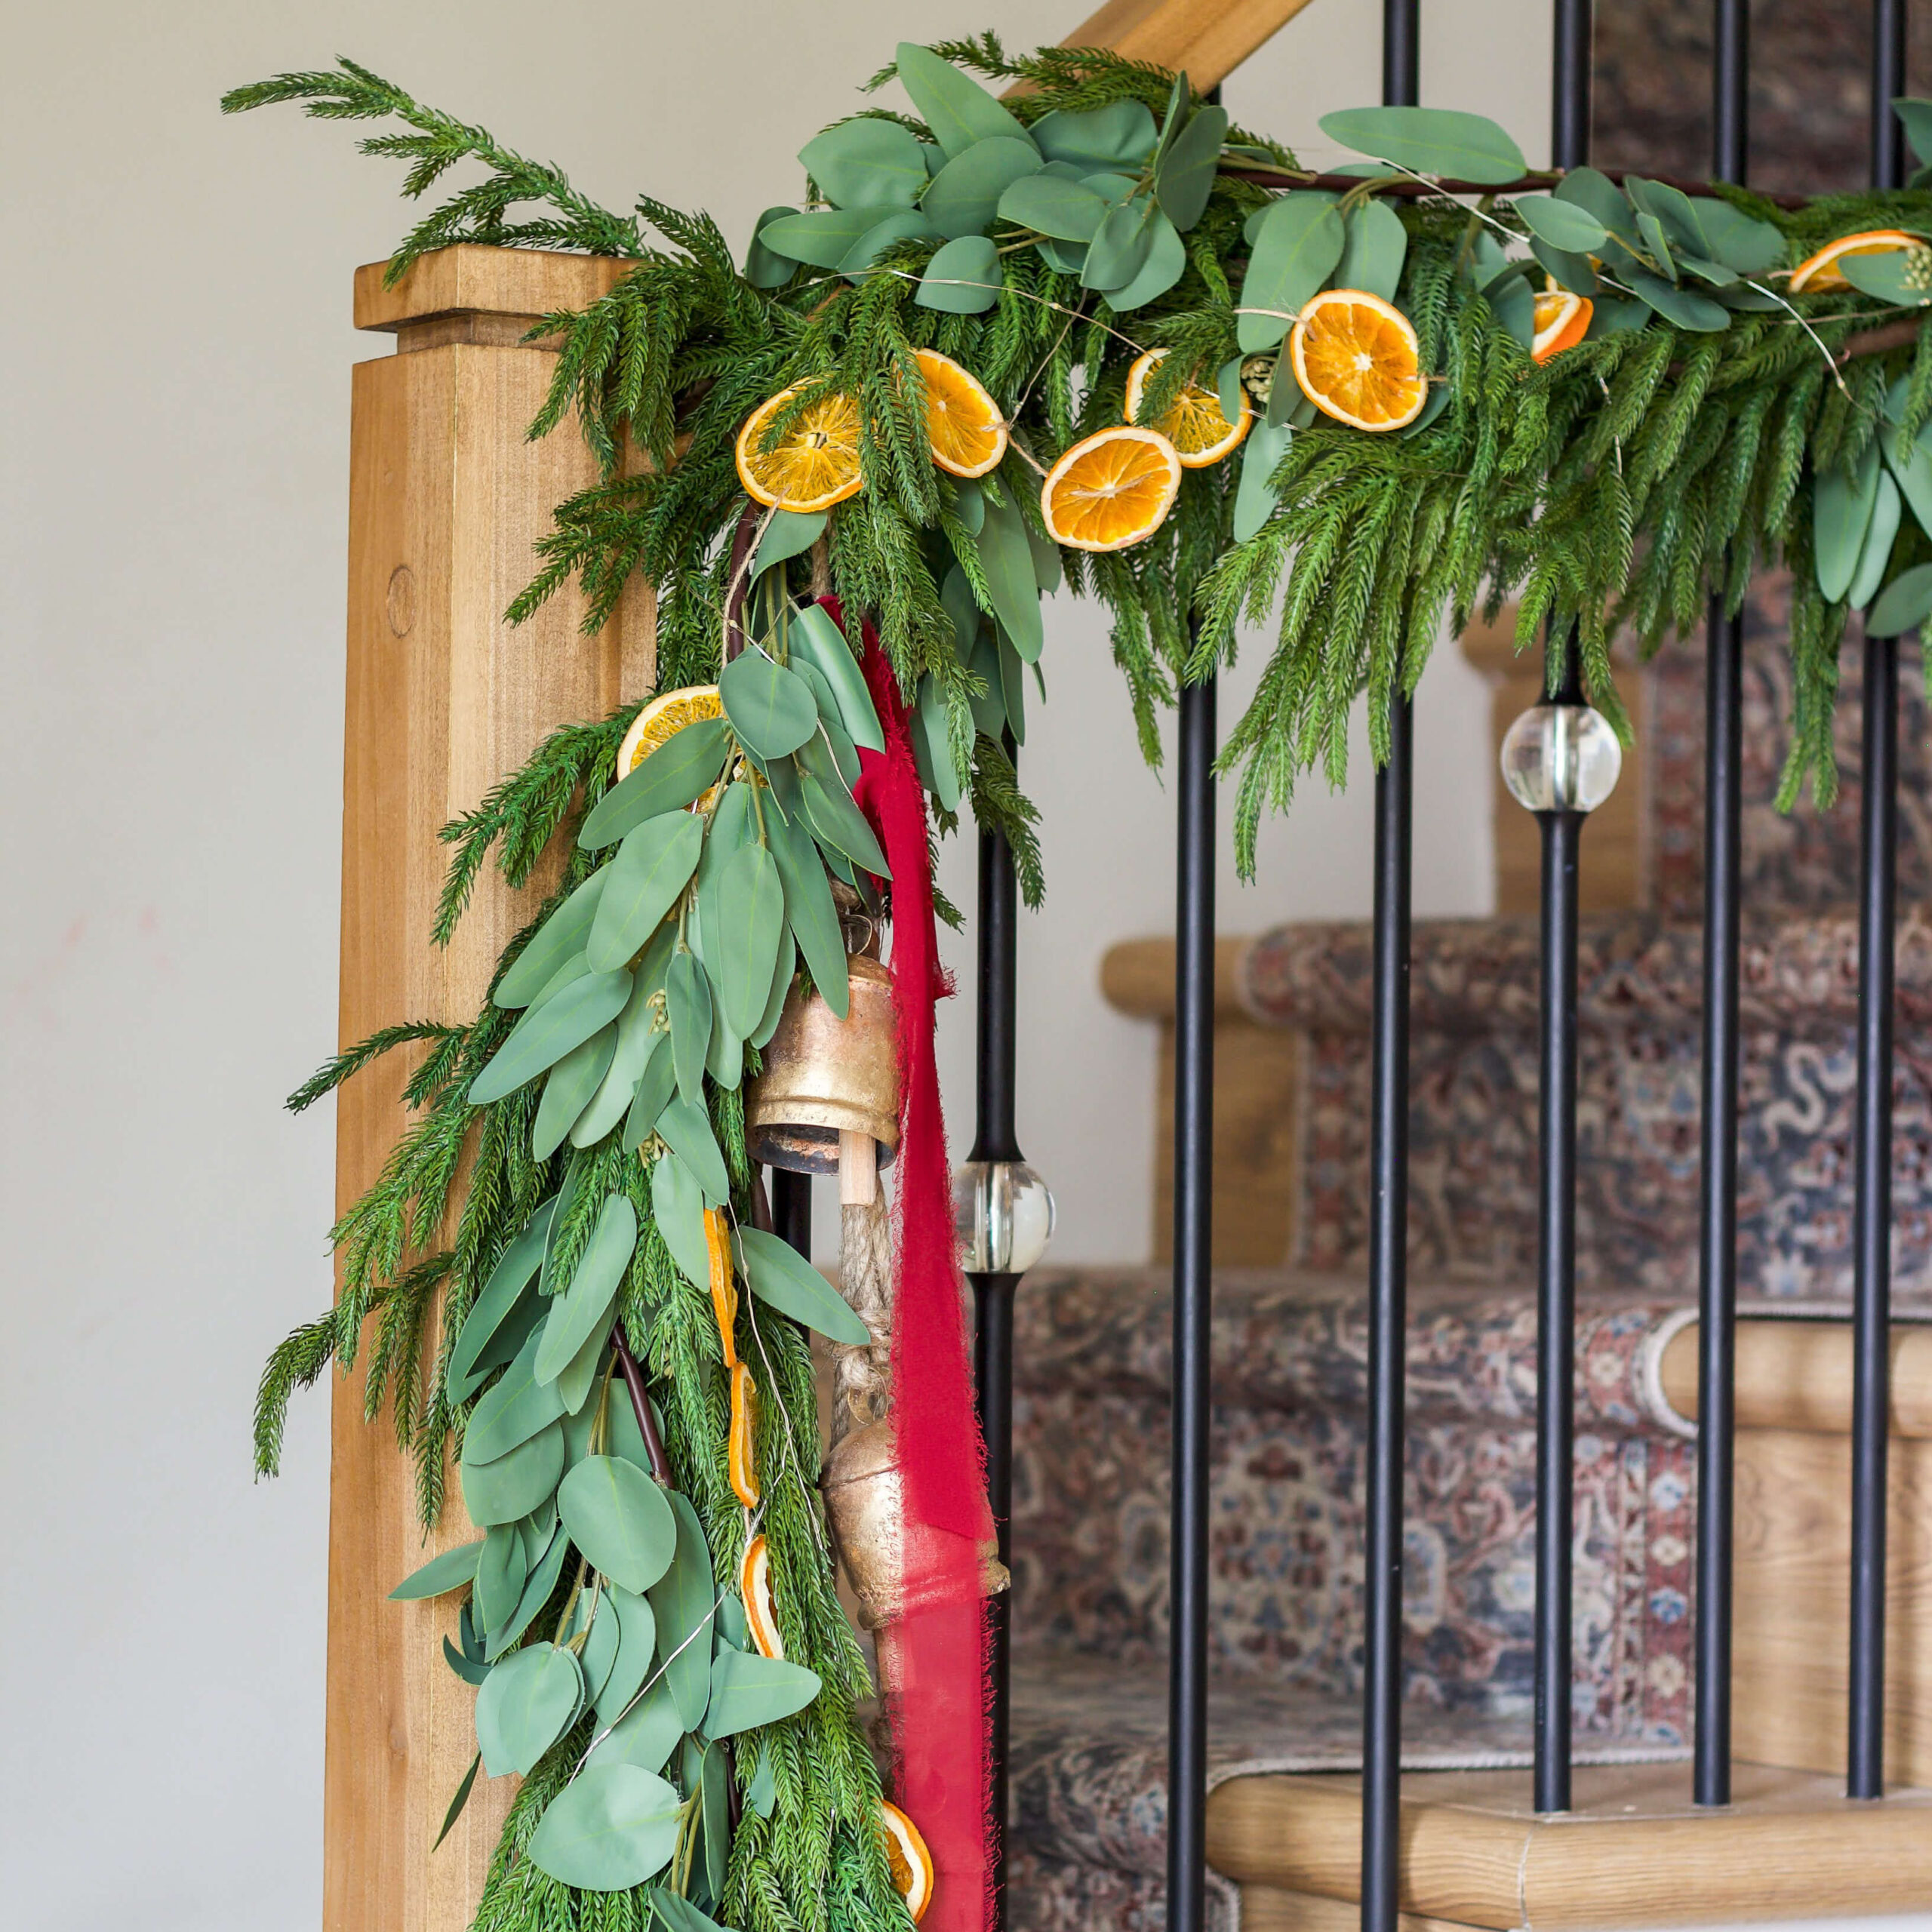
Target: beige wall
{"points": [[171, 563]]}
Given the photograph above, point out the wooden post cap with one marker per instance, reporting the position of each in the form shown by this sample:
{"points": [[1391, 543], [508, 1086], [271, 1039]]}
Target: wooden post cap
{"points": [[523, 284]]}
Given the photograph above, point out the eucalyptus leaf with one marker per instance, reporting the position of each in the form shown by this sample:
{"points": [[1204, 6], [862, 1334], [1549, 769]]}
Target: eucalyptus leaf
{"points": [[963, 279], [1007, 560], [1842, 505], [544, 1034], [1915, 117], [501, 1573], [511, 1412], [610, 1827], [685, 1128], [1515, 307], [528, 1702], [810, 912], [1573, 272], [1012, 684], [833, 741], [1888, 277], [600, 1644], [724, 1054], [931, 718], [511, 1486], [1053, 205], [652, 867], [1904, 605], [1438, 401], [508, 1280], [635, 1625], [472, 1670], [867, 164], [1656, 242], [751, 904], [1912, 470], [584, 1308], [560, 937], [1255, 496], [789, 533], [1681, 307], [679, 1915], [637, 1037], [536, 1592], [1876, 555], [761, 1795], [677, 1204], [450, 1571], [1438, 141], [716, 1819], [571, 1087], [1118, 251], [769, 709], [1375, 246], [781, 1276], [1562, 224], [748, 1690], [817, 638], [1741, 242], [678, 772], [1062, 257], [837, 821], [1672, 208], [1602, 197], [1121, 134], [963, 197], [1184, 176], [645, 1735], [959, 111], [655, 1085], [1048, 573], [688, 1002], [1166, 263], [765, 268], [1297, 246], [684, 1601], [784, 969], [463, 1790], [822, 237], [904, 225], [618, 1519]]}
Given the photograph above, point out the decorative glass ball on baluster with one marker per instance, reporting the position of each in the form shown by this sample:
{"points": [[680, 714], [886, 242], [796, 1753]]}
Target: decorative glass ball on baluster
{"points": [[1004, 1216], [1560, 758]]}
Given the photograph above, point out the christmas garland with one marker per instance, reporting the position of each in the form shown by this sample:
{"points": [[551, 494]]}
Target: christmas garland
{"points": [[1090, 333]]}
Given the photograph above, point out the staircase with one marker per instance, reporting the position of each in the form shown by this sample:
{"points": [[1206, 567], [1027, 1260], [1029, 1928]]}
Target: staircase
{"points": [[1090, 1523]]}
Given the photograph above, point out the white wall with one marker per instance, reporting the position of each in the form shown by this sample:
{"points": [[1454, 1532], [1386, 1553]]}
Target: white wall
{"points": [[171, 561]]}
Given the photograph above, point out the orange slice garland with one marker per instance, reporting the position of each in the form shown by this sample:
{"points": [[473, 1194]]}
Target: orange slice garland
{"points": [[741, 1455], [723, 1286], [963, 425], [1114, 489], [1357, 359], [1200, 434], [814, 465], [911, 1862], [1819, 274], [662, 719], [1561, 320], [755, 1586]]}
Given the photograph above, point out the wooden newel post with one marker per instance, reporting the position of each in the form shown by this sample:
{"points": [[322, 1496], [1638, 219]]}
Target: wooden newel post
{"points": [[446, 498]]}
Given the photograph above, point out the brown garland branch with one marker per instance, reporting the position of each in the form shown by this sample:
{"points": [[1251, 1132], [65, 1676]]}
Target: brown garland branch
{"points": [[1275, 177]]}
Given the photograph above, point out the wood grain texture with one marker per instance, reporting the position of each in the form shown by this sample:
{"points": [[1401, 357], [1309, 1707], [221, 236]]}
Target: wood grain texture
{"points": [[1207, 39], [1268, 1908], [1634, 1852], [1792, 1559], [1137, 976], [1797, 1375], [471, 279], [1613, 876], [446, 498]]}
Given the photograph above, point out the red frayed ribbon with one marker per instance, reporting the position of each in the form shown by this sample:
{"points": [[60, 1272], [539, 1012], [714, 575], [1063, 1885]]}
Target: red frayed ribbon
{"points": [[934, 1654]]}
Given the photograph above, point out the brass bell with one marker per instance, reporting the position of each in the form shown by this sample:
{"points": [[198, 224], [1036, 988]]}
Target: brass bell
{"points": [[824, 1076], [864, 1503]]}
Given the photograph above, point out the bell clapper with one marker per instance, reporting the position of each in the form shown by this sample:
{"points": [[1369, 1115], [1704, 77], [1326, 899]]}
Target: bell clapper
{"points": [[858, 1169]]}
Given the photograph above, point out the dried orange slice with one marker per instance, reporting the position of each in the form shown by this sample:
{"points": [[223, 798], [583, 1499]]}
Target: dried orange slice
{"points": [[741, 1454], [963, 422], [723, 1286], [1819, 274], [1561, 321], [911, 1862], [1357, 359], [815, 464], [662, 719], [755, 1586], [1201, 436], [1114, 489]]}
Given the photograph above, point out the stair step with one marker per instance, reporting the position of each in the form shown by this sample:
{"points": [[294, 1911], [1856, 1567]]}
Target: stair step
{"points": [[1634, 1850]]}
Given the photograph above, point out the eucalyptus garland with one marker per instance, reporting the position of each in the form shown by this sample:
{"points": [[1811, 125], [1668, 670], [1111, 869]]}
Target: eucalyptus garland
{"points": [[1372, 403]]}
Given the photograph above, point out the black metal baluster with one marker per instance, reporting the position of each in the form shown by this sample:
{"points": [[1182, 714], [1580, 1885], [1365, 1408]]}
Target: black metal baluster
{"points": [[1388, 1234], [1865, 1776], [995, 1139], [1718, 1254], [792, 1209], [1194, 1155]]}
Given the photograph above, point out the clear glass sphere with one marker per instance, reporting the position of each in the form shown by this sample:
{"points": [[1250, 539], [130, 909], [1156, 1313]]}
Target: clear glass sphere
{"points": [[1003, 1214], [1560, 758]]}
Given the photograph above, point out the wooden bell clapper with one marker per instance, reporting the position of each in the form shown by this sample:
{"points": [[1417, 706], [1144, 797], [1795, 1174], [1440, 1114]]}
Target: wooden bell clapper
{"points": [[858, 1169]]}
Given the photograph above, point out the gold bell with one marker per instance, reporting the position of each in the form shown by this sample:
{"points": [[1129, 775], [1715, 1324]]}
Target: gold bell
{"points": [[865, 1504], [824, 1077]]}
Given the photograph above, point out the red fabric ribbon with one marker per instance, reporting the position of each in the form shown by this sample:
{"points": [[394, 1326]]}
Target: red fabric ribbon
{"points": [[934, 1656]]}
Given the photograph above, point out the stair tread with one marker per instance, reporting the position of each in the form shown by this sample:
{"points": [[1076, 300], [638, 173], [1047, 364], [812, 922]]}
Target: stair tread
{"points": [[1088, 1762]]}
